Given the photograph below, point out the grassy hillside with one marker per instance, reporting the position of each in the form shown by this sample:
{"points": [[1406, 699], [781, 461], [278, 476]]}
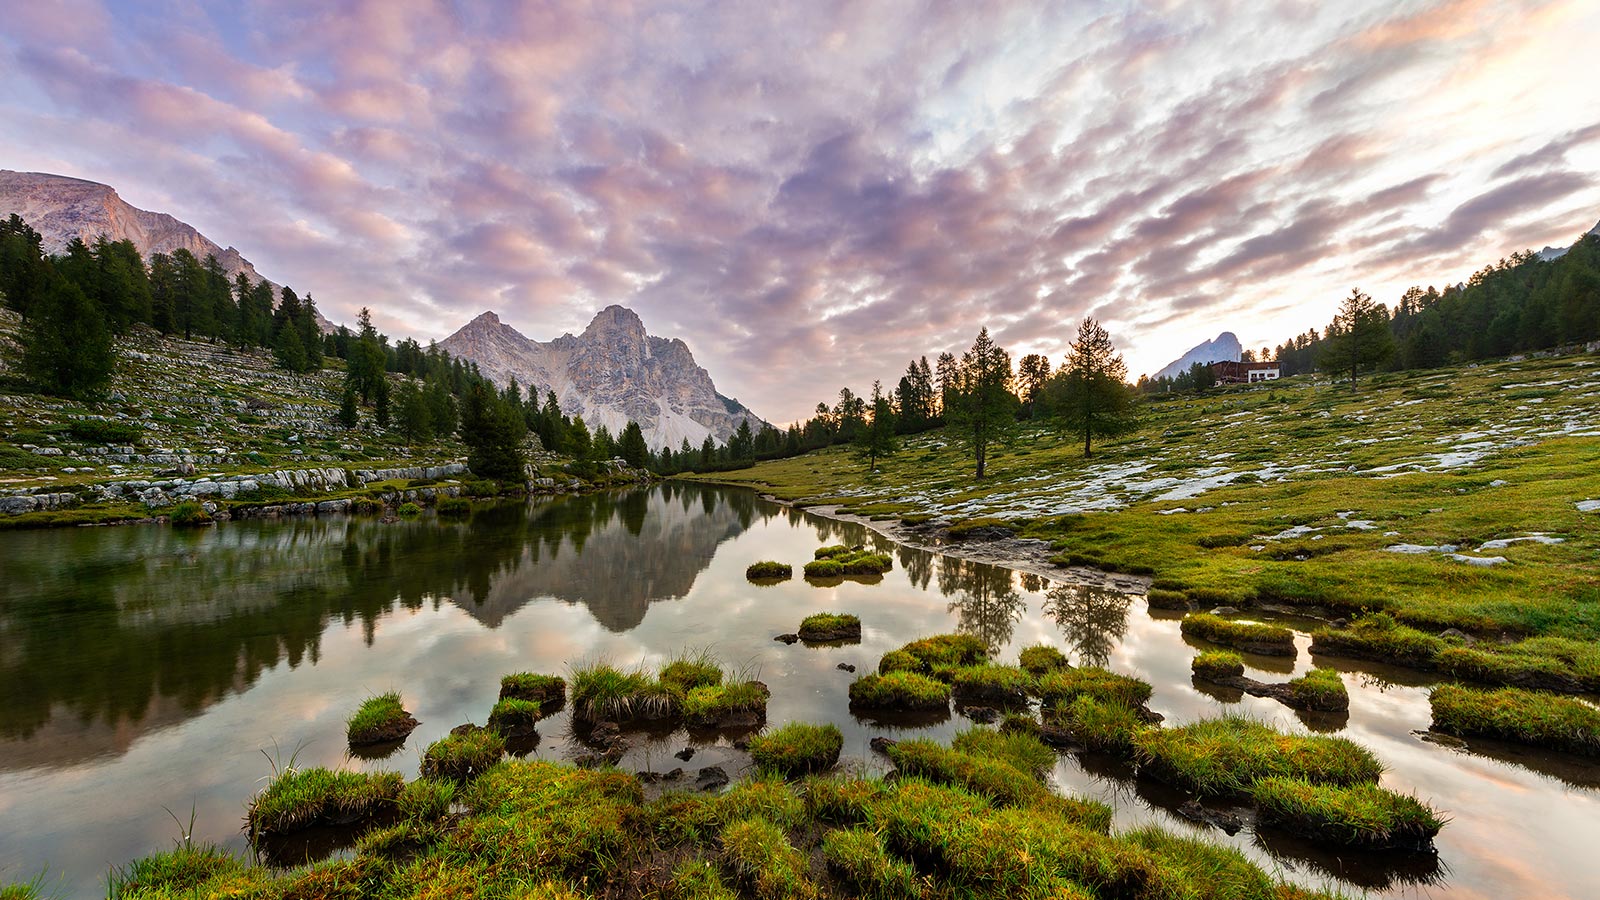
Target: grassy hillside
{"points": [[1296, 491]]}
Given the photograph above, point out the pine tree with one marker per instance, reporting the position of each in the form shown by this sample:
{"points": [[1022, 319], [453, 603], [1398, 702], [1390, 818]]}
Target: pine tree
{"points": [[289, 352], [742, 445], [380, 403], [1092, 395], [982, 403], [488, 431], [1359, 337], [348, 416], [632, 446], [66, 346], [1033, 373], [412, 412], [876, 438], [366, 363]]}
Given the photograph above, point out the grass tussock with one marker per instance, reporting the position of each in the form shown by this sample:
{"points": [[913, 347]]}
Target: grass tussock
{"points": [[512, 717], [797, 749], [1160, 598], [690, 671], [1106, 726], [768, 570], [301, 798], [1042, 658], [1321, 690], [760, 857], [863, 863], [990, 685], [1513, 714], [1362, 815], [939, 652], [378, 720], [833, 551], [851, 562], [604, 693], [1226, 756], [1251, 637], [830, 627], [463, 757], [549, 691], [1214, 664], [1065, 685], [1378, 637], [1019, 749], [714, 705], [899, 690]]}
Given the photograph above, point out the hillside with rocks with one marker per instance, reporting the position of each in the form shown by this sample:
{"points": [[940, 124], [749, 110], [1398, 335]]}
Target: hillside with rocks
{"points": [[614, 372]]}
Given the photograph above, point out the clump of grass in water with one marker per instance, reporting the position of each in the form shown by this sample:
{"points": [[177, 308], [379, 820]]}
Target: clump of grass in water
{"points": [[768, 570], [1064, 685], [1319, 689], [1214, 664], [300, 798], [940, 650], [690, 671], [760, 857], [409, 510], [708, 706], [899, 690], [1377, 636], [1252, 637], [512, 717], [1226, 756], [604, 693], [455, 508], [1043, 658], [1363, 815], [831, 551], [859, 858], [1527, 717], [837, 561], [463, 757], [1022, 750], [989, 685], [378, 720], [798, 748], [1107, 726], [549, 691], [829, 627]]}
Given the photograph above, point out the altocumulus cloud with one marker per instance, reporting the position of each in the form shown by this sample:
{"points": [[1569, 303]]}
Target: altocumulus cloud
{"points": [[830, 188]]}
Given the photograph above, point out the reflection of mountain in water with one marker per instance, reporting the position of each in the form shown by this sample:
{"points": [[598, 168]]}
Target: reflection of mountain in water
{"points": [[106, 633], [614, 557]]}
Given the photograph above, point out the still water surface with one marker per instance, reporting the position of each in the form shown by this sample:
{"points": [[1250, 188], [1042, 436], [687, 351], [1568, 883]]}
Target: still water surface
{"points": [[144, 669]]}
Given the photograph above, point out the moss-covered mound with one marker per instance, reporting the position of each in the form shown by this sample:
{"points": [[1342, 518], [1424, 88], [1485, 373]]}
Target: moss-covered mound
{"points": [[1319, 690], [1227, 756], [821, 627], [1213, 665], [463, 757], [1065, 685], [1362, 815], [549, 691], [733, 704], [768, 570], [941, 653], [988, 685], [1378, 637], [379, 720], [899, 691], [512, 717], [1042, 658], [797, 748], [301, 798], [837, 562], [1251, 637], [1513, 714]]}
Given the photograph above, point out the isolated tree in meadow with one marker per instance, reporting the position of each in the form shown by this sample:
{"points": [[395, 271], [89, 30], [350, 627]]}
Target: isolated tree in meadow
{"points": [[876, 438], [1092, 396], [983, 408], [66, 346], [1358, 338], [1033, 374]]}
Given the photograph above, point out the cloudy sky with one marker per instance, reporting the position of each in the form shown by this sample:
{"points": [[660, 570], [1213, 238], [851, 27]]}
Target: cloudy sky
{"points": [[812, 192]]}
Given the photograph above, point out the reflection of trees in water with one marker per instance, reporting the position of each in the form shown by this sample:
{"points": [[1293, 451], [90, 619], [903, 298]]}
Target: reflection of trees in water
{"points": [[987, 604], [1093, 619], [108, 624]]}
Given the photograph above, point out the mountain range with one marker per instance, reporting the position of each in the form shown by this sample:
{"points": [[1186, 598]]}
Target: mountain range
{"points": [[615, 371], [1224, 346]]}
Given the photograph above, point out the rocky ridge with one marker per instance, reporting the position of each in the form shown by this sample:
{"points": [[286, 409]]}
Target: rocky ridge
{"points": [[1224, 346], [612, 373]]}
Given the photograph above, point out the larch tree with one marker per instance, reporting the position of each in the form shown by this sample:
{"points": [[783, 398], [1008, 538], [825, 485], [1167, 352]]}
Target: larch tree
{"points": [[983, 410], [1092, 396], [876, 438], [1358, 338], [66, 346]]}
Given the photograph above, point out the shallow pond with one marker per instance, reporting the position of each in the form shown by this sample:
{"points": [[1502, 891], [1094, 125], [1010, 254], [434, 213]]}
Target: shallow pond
{"points": [[145, 670]]}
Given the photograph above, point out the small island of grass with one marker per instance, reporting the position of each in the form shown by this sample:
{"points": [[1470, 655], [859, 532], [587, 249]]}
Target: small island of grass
{"points": [[380, 720], [822, 627], [797, 748]]}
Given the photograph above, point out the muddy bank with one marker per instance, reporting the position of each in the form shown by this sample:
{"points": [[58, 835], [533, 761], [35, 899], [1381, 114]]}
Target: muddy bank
{"points": [[1028, 555]]}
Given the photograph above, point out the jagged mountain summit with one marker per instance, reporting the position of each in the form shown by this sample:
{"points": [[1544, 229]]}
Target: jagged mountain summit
{"points": [[1551, 254], [612, 373], [1224, 346], [62, 208]]}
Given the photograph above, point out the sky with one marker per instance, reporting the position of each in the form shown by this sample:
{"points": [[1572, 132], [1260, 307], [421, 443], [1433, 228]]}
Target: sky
{"points": [[812, 193]]}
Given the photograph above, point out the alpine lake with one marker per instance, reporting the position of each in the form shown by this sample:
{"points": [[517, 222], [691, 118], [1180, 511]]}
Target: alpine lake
{"points": [[151, 678]]}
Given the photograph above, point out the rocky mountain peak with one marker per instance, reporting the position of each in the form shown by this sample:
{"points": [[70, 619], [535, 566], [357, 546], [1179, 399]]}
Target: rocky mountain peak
{"points": [[614, 372], [1224, 346]]}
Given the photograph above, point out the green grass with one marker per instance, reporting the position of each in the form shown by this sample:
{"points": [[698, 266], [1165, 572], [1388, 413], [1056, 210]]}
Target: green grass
{"points": [[300, 798], [1022, 751], [1065, 685], [690, 671], [1363, 815], [379, 719], [831, 551], [514, 717], [1042, 658], [797, 749], [1546, 663], [769, 570], [1107, 726], [1378, 637], [426, 800], [990, 685], [409, 510], [1321, 690], [192, 870], [549, 691], [860, 859], [455, 508], [986, 776], [1161, 598], [706, 707], [1226, 756], [604, 693], [824, 568], [1251, 637], [1513, 714], [1214, 664], [829, 627], [189, 513], [899, 690], [759, 856], [941, 651], [461, 758]]}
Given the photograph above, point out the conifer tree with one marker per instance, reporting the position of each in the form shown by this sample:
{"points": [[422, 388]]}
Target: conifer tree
{"points": [[979, 389], [66, 346], [876, 438], [348, 416], [632, 446], [1092, 397], [1359, 337]]}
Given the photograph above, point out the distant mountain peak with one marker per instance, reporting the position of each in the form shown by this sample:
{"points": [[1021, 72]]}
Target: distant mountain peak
{"points": [[1224, 347], [614, 372]]}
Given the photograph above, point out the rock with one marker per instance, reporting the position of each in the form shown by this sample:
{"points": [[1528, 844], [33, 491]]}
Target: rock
{"points": [[788, 638], [711, 778], [1458, 634], [845, 667], [1225, 611], [983, 715], [465, 729], [605, 734], [1229, 821], [742, 744], [881, 744], [685, 754]]}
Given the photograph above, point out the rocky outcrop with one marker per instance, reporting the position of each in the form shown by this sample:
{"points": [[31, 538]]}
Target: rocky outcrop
{"points": [[62, 208], [612, 373]]}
